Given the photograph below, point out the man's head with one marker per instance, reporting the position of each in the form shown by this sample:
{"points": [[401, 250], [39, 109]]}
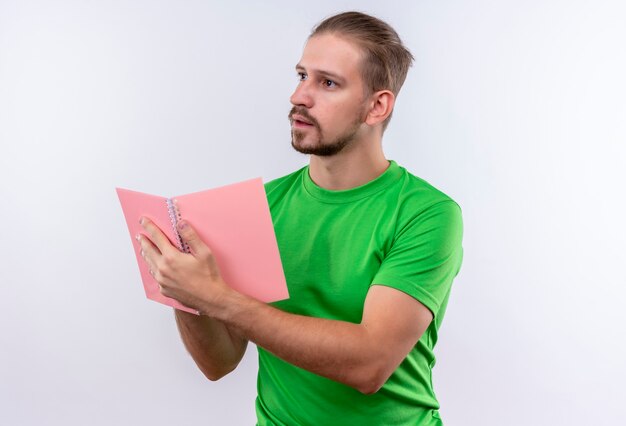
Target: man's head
{"points": [[351, 71]]}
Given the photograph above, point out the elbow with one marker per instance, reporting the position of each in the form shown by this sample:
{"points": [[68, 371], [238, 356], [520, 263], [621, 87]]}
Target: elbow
{"points": [[370, 387], [214, 375], [369, 390], [371, 380]]}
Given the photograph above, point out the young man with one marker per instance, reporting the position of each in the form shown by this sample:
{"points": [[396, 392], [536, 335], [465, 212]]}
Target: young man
{"points": [[369, 253]]}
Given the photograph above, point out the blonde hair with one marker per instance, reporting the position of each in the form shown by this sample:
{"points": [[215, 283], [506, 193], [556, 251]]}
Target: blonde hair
{"points": [[386, 60]]}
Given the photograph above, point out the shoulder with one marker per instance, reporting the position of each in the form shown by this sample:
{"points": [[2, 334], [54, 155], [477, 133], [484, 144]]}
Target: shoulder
{"points": [[423, 211], [417, 196], [276, 188]]}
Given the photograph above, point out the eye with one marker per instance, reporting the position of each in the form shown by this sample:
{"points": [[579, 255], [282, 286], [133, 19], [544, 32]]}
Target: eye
{"points": [[302, 76], [329, 83]]}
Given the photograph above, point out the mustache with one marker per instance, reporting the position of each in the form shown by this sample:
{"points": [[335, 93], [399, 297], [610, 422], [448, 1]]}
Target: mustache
{"points": [[304, 113]]}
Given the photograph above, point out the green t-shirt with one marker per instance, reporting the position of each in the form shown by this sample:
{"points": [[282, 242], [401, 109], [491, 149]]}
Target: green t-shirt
{"points": [[397, 231]]}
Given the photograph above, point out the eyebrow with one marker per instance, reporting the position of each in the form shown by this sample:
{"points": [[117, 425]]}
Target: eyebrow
{"points": [[325, 73]]}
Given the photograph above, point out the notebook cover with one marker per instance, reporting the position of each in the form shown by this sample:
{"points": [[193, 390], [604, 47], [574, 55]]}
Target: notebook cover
{"points": [[233, 220]]}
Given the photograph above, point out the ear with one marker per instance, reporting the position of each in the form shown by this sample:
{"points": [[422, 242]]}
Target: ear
{"points": [[381, 105]]}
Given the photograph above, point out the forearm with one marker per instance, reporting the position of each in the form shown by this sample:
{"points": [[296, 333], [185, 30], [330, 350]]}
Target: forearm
{"points": [[214, 349], [339, 350], [359, 355]]}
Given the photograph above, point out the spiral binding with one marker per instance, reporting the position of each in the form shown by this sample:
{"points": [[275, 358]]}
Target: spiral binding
{"points": [[175, 217]]}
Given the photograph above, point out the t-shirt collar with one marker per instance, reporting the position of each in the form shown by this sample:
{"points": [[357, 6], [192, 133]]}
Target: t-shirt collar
{"points": [[347, 195]]}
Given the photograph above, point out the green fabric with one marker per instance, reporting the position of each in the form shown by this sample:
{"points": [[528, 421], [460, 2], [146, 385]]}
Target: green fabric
{"points": [[397, 231]]}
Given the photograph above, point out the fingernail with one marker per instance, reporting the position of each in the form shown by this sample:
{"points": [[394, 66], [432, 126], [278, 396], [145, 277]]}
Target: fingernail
{"points": [[141, 220]]}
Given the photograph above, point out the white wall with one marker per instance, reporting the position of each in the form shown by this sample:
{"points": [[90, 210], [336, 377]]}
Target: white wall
{"points": [[515, 109]]}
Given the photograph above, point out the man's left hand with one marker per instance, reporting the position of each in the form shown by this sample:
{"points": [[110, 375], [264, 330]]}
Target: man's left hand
{"points": [[192, 279]]}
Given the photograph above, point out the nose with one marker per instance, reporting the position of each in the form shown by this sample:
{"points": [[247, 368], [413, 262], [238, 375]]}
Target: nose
{"points": [[302, 95]]}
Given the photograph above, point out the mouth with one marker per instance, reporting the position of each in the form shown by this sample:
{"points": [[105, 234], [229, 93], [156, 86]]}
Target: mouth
{"points": [[300, 122]]}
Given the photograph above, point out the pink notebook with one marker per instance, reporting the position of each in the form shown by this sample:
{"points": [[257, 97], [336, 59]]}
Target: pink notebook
{"points": [[233, 220]]}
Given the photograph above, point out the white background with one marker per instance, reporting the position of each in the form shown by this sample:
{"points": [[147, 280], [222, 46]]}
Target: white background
{"points": [[516, 109]]}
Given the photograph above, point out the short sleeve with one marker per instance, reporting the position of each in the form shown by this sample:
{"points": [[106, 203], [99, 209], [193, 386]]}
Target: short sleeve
{"points": [[426, 255]]}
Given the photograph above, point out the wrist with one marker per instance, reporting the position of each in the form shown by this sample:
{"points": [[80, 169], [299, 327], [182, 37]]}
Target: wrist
{"points": [[239, 312], [222, 303]]}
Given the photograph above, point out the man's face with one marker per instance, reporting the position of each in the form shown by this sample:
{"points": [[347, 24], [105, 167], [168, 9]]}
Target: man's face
{"points": [[328, 104]]}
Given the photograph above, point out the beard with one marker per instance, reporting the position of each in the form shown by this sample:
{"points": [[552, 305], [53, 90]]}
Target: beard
{"points": [[323, 147]]}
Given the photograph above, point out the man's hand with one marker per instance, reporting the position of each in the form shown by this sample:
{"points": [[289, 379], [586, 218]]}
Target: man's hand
{"points": [[192, 279], [362, 356]]}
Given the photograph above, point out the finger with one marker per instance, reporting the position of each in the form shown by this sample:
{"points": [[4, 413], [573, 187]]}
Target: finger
{"points": [[193, 240], [157, 236], [151, 255], [149, 252]]}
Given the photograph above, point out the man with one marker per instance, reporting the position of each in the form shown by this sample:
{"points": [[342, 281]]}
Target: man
{"points": [[369, 253]]}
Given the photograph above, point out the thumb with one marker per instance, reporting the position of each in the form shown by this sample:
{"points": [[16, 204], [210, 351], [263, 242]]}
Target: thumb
{"points": [[191, 237]]}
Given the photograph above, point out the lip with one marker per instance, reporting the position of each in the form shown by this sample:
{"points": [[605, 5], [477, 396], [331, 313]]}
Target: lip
{"points": [[301, 125], [299, 121]]}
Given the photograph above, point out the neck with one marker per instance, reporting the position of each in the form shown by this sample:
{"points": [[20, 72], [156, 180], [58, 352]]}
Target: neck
{"points": [[359, 163]]}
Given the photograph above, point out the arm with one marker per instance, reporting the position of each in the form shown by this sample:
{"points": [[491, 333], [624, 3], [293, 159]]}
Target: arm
{"points": [[215, 350], [359, 355], [362, 356]]}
